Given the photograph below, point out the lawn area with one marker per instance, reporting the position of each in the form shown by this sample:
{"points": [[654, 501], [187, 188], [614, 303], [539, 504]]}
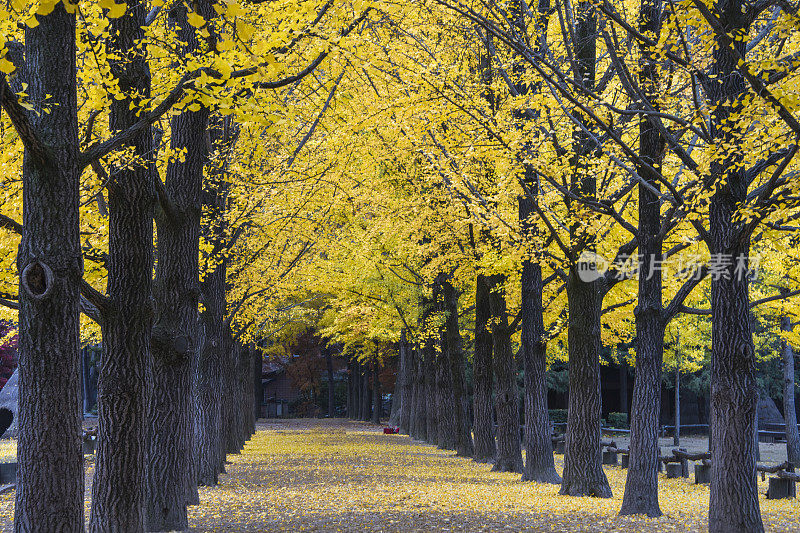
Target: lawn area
{"points": [[344, 476]]}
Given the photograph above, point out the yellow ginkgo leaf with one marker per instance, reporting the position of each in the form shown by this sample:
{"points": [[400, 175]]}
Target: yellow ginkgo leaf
{"points": [[234, 10], [117, 10], [46, 7], [114, 10], [196, 20], [6, 66], [245, 30], [223, 67], [70, 7]]}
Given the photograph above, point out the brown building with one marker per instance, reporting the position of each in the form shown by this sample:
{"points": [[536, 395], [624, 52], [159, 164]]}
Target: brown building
{"points": [[277, 390]]}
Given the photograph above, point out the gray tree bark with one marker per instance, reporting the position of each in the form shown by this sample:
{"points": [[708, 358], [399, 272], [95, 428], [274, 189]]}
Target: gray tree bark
{"points": [[331, 395], [407, 402], [215, 428], [641, 486], [789, 413], [676, 438], [377, 400], [125, 382], [366, 393], [419, 423], [49, 493], [734, 506], [509, 451], [258, 393], [539, 462], [462, 439], [483, 424], [208, 384], [431, 413], [349, 406], [356, 390], [583, 473], [170, 480], [230, 444], [445, 400]]}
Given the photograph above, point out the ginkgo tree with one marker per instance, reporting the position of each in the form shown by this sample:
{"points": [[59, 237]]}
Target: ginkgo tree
{"points": [[142, 97], [382, 173]]}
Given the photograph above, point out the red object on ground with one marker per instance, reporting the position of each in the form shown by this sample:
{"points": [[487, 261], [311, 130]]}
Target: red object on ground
{"points": [[390, 431]]}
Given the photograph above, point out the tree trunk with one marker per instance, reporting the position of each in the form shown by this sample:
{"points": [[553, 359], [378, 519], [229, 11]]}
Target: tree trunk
{"points": [[331, 395], [676, 437], [733, 505], [358, 390], [444, 391], [258, 392], [49, 495], [734, 494], [208, 382], [243, 410], [407, 401], [789, 413], [397, 396], [509, 451], [539, 463], [432, 413], [483, 425], [176, 293], [445, 408], [414, 378], [377, 400], [756, 447], [366, 397], [420, 422], [623, 386], [176, 289], [583, 473], [641, 486], [349, 405], [249, 391], [124, 385], [366, 404], [236, 395], [229, 444], [455, 360], [356, 405], [214, 433]]}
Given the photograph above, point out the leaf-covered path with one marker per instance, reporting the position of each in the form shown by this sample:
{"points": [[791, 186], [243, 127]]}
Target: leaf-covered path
{"points": [[337, 476], [317, 475]]}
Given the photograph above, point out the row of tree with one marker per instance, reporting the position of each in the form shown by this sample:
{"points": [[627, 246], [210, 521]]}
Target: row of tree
{"points": [[153, 99], [437, 174], [545, 136]]}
